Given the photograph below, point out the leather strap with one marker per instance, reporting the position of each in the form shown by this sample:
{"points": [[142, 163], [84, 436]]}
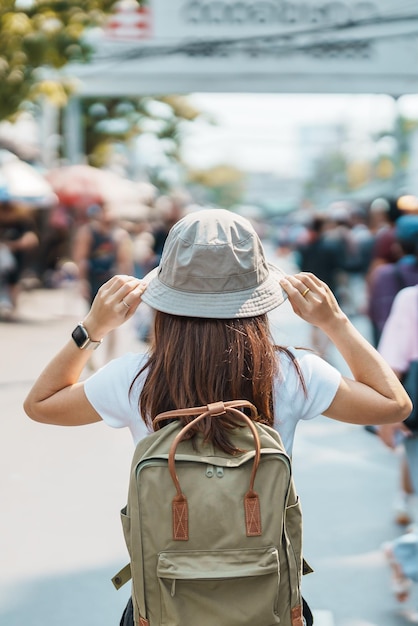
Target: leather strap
{"points": [[251, 499], [297, 616]]}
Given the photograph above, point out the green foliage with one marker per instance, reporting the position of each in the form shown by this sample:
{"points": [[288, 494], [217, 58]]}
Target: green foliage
{"points": [[222, 185], [41, 33], [108, 121]]}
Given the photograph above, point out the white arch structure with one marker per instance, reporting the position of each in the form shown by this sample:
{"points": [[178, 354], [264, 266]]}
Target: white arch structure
{"points": [[276, 46]]}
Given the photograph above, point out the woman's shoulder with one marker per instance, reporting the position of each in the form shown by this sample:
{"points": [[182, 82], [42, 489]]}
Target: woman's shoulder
{"points": [[305, 385]]}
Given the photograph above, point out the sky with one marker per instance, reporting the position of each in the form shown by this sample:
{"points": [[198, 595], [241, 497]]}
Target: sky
{"points": [[260, 132]]}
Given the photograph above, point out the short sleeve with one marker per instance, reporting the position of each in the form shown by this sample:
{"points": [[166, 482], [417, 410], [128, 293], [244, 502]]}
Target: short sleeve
{"points": [[322, 381], [293, 402], [112, 395]]}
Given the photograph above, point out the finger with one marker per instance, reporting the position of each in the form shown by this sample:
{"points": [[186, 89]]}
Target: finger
{"points": [[133, 297], [118, 282], [311, 279], [125, 288], [312, 282], [287, 282], [132, 300], [300, 288], [298, 302]]}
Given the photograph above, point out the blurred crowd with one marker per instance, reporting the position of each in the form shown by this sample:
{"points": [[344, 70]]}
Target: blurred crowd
{"points": [[370, 260], [49, 247], [364, 253]]}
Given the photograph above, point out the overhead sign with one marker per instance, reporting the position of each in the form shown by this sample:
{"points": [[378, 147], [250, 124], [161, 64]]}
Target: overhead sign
{"points": [[129, 21], [300, 46]]}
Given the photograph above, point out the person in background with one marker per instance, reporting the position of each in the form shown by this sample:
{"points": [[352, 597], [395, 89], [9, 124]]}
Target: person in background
{"points": [[358, 260], [18, 238], [386, 282], [55, 249], [168, 210], [383, 214], [387, 279], [145, 260], [341, 233], [101, 249], [399, 346], [320, 253], [363, 239]]}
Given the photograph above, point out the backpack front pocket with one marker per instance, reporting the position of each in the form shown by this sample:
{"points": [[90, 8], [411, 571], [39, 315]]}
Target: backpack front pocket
{"points": [[222, 588]]}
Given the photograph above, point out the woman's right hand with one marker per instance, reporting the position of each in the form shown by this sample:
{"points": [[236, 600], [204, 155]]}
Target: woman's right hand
{"points": [[115, 302], [375, 396]]}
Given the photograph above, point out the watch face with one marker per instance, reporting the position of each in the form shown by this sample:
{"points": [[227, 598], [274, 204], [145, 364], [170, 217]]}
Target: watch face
{"points": [[80, 335]]}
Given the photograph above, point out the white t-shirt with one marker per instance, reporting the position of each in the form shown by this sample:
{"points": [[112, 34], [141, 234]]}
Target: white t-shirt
{"points": [[109, 392]]}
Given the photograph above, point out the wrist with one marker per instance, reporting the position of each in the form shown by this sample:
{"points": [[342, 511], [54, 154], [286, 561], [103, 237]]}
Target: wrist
{"points": [[95, 331], [336, 325], [83, 339]]}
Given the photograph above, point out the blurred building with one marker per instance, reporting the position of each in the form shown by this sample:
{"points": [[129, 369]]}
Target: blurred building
{"points": [[273, 193], [315, 140]]}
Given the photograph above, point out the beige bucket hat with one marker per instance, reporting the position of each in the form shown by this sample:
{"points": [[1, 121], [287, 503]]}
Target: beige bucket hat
{"points": [[213, 266]]}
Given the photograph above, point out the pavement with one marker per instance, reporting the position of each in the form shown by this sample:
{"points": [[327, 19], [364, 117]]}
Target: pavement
{"points": [[62, 488]]}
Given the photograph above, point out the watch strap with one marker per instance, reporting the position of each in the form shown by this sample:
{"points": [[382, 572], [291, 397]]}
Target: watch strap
{"points": [[82, 338]]}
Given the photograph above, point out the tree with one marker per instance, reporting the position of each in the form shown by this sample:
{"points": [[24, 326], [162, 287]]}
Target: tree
{"points": [[222, 185], [39, 34], [108, 121], [35, 34], [394, 156]]}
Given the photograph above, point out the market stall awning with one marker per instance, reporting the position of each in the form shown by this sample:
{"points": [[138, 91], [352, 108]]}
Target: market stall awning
{"points": [[79, 186], [21, 182]]}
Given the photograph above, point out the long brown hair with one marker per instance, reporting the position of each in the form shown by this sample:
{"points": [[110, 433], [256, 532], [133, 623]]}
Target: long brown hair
{"points": [[196, 361]]}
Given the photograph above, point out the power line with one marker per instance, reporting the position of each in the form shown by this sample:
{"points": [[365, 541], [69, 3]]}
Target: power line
{"points": [[284, 42]]}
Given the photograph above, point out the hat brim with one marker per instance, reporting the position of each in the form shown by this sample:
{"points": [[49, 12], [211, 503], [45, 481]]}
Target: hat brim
{"points": [[226, 305]]}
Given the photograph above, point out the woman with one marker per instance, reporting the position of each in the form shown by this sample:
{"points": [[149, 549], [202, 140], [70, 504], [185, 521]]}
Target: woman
{"points": [[211, 293], [18, 240]]}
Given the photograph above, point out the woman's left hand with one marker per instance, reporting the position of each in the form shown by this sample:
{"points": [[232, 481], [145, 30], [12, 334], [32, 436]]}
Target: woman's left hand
{"points": [[115, 302], [312, 300]]}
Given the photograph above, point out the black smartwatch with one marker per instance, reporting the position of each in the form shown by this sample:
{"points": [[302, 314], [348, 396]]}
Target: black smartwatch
{"points": [[82, 339]]}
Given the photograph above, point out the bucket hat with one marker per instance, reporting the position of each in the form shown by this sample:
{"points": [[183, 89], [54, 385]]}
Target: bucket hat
{"points": [[213, 266]]}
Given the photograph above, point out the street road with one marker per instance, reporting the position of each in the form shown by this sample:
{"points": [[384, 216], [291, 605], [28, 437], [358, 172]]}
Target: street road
{"points": [[62, 488]]}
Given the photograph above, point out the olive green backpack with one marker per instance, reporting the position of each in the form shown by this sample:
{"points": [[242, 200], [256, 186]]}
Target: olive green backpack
{"points": [[214, 539]]}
